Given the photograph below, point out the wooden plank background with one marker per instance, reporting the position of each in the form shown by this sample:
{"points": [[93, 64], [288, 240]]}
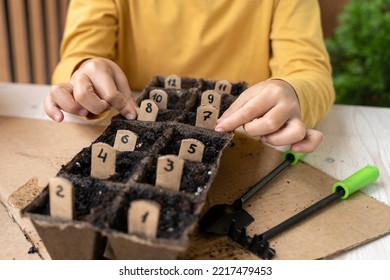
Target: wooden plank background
{"points": [[31, 31], [30, 36]]}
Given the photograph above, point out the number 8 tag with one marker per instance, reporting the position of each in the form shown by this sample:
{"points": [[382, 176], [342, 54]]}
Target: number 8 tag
{"points": [[148, 111]]}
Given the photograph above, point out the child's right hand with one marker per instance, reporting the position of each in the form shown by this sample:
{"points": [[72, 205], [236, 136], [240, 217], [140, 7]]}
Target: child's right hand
{"points": [[97, 85]]}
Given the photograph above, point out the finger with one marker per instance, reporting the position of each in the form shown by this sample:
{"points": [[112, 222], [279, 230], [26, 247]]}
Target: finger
{"points": [[131, 108], [241, 100], [52, 110], [271, 122], [62, 97], [85, 94], [293, 132], [251, 110], [311, 141]]}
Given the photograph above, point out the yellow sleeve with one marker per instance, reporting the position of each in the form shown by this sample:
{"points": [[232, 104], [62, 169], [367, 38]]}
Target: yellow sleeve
{"points": [[299, 56], [90, 31]]}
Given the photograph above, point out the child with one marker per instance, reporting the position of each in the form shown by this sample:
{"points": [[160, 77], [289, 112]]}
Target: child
{"points": [[275, 45]]}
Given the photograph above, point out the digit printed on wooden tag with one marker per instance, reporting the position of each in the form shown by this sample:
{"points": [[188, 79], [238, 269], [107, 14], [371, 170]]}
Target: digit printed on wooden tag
{"points": [[206, 116], [103, 158], [172, 81], [61, 198], [125, 140], [223, 86], [148, 111], [169, 172], [160, 97], [191, 149], [142, 218], [211, 97]]}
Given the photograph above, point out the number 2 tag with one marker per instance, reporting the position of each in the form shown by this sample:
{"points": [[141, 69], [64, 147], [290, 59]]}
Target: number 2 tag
{"points": [[191, 149], [61, 198], [103, 158], [169, 172]]}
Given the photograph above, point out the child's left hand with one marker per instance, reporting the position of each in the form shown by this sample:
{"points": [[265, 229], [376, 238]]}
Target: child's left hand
{"points": [[270, 111]]}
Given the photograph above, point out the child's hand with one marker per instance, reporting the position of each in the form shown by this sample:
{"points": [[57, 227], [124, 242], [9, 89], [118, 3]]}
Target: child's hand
{"points": [[97, 85], [270, 111]]}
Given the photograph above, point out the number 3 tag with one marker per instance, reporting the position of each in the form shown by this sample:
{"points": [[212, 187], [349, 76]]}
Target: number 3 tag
{"points": [[169, 172]]}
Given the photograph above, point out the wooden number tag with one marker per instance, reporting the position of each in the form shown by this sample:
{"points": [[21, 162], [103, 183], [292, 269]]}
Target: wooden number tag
{"points": [[206, 116], [61, 198], [125, 140], [148, 111], [160, 97], [169, 172], [211, 97], [172, 81], [102, 161], [143, 217], [191, 149], [223, 86]]}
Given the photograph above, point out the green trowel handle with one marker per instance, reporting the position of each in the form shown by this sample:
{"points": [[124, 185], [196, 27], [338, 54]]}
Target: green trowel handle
{"points": [[293, 156], [356, 181]]}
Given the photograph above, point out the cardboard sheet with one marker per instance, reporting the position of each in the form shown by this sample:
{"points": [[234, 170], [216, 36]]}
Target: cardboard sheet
{"points": [[32, 148]]}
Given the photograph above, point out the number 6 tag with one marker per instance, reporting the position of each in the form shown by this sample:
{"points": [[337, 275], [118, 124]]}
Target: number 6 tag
{"points": [[103, 158], [125, 140], [169, 172]]}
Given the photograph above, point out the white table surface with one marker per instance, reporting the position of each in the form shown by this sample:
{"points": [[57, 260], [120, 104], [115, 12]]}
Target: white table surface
{"points": [[355, 136]]}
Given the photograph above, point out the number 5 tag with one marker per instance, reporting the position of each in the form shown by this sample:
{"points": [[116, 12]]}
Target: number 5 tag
{"points": [[191, 149]]}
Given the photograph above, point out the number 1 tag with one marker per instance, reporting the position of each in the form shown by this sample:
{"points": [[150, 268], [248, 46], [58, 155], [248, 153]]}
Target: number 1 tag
{"points": [[103, 160], [206, 116], [191, 149], [125, 140], [223, 86], [169, 172], [142, 218], [160, 97], [61, 198], [148, 111]]}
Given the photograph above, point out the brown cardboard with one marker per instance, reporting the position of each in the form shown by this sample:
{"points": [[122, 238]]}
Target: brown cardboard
{"points": [[34, 148]]}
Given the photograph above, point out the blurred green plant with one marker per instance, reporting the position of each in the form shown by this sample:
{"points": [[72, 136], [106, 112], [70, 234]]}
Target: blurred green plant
{"points": [[360, 53]]}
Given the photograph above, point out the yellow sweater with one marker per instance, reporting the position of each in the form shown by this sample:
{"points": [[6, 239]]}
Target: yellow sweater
{"points": [[236, 40]]}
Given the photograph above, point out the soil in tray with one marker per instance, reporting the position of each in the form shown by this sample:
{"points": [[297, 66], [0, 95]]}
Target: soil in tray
{"points": [[147, 132], [91, 195], [176, 214], [195, 178], [127, 163]]}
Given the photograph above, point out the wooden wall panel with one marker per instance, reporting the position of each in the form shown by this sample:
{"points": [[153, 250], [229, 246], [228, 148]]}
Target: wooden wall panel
{"points": [[30, 50], [330, 9], [5, 71]]}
